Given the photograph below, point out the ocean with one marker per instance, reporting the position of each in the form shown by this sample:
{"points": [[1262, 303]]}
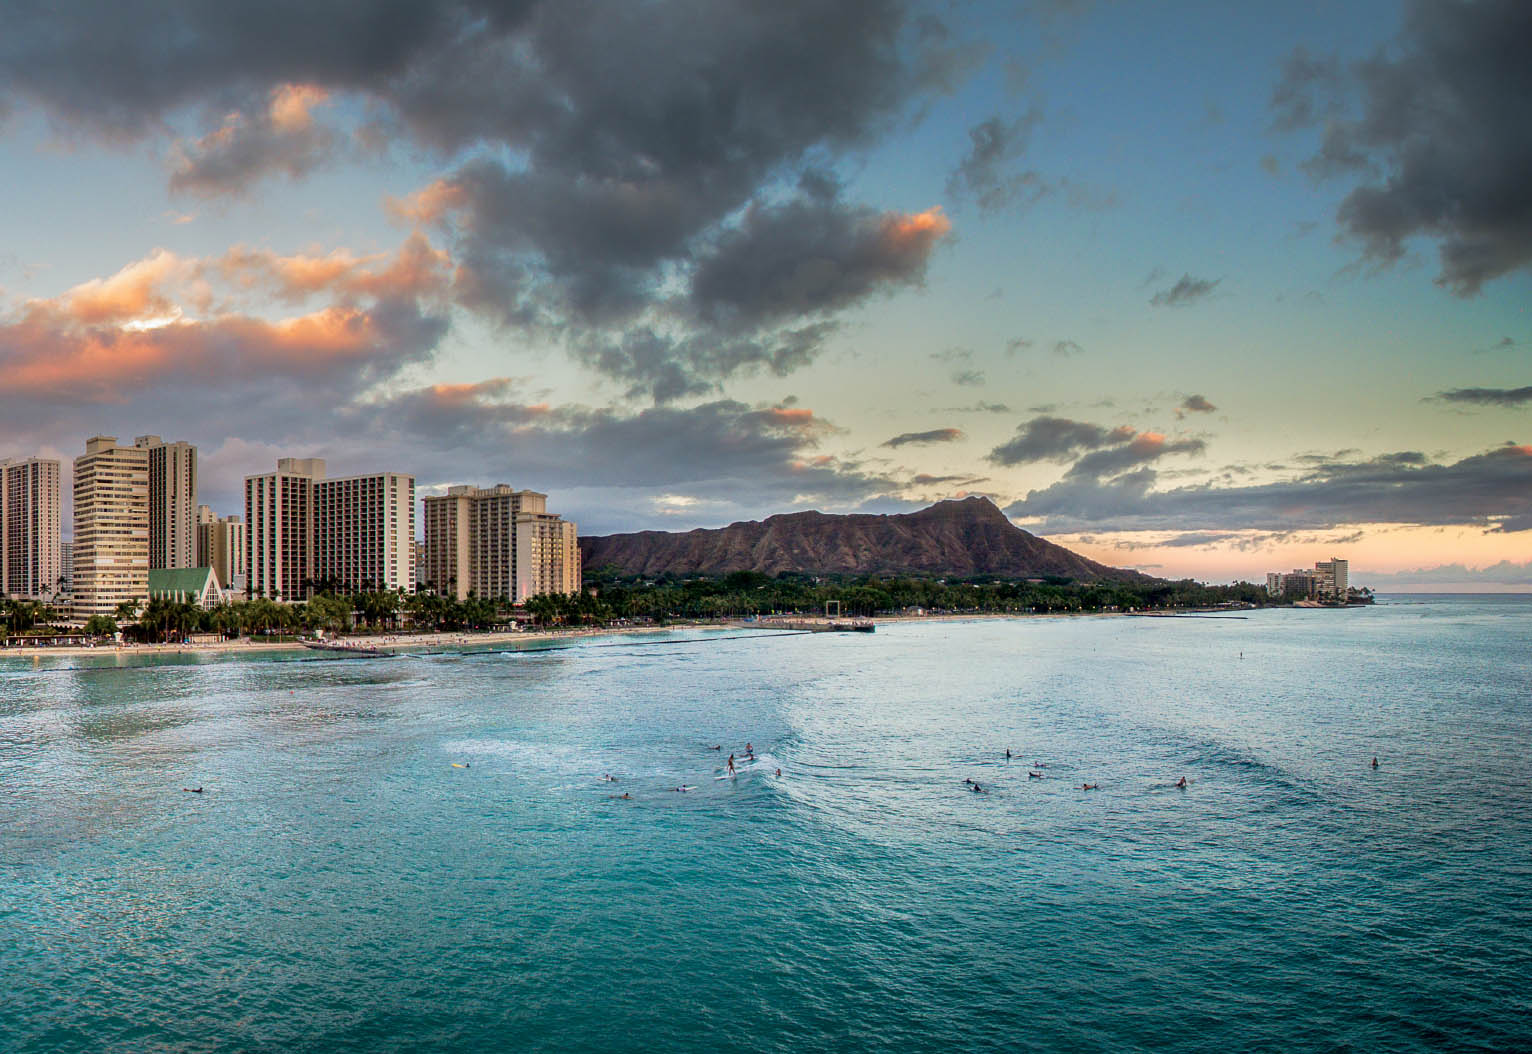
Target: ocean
{"points": [[421, 852]]}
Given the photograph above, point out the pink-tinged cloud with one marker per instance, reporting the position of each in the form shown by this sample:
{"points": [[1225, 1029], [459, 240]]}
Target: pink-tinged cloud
{"points": [[136, 292], [416, 271]]}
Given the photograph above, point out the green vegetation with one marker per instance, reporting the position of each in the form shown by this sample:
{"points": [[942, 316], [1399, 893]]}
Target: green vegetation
{"points": [[748, 593]]}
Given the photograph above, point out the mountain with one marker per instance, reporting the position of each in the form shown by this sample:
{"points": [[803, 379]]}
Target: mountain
{"points": [[956, 538]]}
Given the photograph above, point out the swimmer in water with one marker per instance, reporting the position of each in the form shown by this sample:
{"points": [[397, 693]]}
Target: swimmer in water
{"points": [[1181, 783], [779, 773], [1034, 775], [718, 747], [619, 797], [192, 790], [979, 790], [608, 778]]}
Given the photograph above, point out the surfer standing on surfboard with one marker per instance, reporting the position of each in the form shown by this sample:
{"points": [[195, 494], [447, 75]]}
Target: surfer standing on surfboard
{"points": [[731, 764]]}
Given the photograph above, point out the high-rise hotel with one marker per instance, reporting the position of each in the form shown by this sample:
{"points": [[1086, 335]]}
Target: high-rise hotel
{"points": [[31, 549], [304, 531], [221, 546], [498, 543], [111, 526], [172, 502]]}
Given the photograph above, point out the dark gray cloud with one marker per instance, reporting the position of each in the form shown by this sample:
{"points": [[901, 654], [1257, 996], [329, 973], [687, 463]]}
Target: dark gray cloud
{"points": [[980, 407], [649, 217], [986, 173], [1442, 145], [1186, 291], [935, 435], [1488, 396], [1491, 490], [937, 481], [1017, 345], [1142, 449], [1055, 439], [968, 378], [1195, 404], [1067, 348]]}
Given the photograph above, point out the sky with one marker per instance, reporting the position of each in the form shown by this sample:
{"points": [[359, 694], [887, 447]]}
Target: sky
{"points": [[1204, 289]]}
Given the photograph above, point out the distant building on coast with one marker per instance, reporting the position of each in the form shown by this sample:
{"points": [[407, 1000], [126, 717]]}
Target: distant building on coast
{"points": [[31, 510], [304, 531], [498, 543], [111, 526], [221, 546], [1327, 578]]}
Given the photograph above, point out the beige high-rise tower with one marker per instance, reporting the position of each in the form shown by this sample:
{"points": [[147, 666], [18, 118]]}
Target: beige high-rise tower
{"points": [[498, 543], [364, 532], [111, 526], [31, 509], [172, 502]]}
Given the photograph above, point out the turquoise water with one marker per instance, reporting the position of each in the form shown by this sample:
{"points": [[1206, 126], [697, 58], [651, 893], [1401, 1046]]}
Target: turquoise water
{"points": [[340, 885]]}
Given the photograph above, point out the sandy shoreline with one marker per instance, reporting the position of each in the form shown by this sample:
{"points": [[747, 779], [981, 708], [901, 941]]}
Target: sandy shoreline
{"points": [[475, 639], [380, 641]]}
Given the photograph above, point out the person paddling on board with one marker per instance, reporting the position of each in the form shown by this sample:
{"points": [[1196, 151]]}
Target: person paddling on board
{"points": [[1008, 753], [731, 764], [1181, 783]]}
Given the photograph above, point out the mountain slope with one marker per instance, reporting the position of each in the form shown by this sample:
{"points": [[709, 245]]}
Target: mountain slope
{"points": [[957, 538]]}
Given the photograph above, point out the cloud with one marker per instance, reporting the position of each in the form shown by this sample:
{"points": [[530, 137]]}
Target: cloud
{"points": [[1055, 439], [1488, 396], [1442, 146], [1066, 348], [985, 174], [935, 435], [644, 184], [937, 481], [953, 355], [1140, 450], [281, 137], [1194, 404], [968, 378], [1504, 573], [1017, 345], [1491, 490], [980, 407], [1186, 291]]}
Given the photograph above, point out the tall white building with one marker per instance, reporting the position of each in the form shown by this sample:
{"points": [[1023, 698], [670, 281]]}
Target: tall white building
{"points": [[1334, 576], [498, 543], [364, 532], [31, 548], [172, 502], [111, 526], [305, 532]]}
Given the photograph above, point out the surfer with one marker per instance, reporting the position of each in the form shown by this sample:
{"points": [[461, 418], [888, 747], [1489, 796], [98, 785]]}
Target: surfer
{"points": [[1034, 775], [1008, 753], [608, 778], [1181, 783], [749, 750], [979, 790], [1374, 762], [718, 747], [619, 797], [731, 764], [192, 790], [779, 773], [1090, 786]]}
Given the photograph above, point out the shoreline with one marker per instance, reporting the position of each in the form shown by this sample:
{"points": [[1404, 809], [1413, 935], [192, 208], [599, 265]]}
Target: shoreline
{"points": [[470, 639]]}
